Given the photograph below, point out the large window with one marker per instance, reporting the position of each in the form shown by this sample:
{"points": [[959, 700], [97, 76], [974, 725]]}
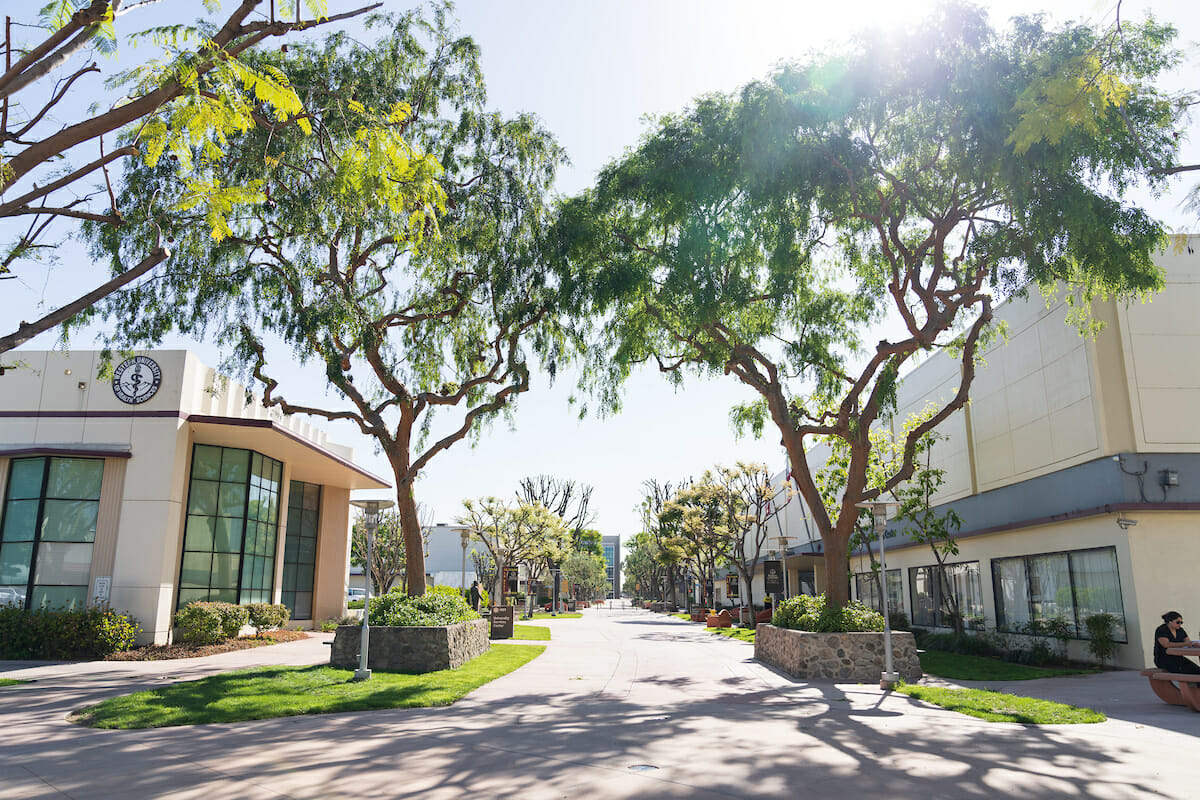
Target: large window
{"points": [[1068, 586], [232, 523], [300, 548], [49, 525], [867, 590], [934, 595]]}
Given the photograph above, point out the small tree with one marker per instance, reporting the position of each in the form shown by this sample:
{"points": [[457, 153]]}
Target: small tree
{"points": [[586, 573], [752, 502], [513, 535], [699, 515]]}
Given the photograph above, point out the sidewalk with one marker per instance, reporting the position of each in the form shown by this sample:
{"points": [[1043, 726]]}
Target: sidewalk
{"points": [[623, 703]]}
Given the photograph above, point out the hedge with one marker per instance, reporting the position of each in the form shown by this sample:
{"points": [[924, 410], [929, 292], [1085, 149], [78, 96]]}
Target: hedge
{"points": [[65, 635]]}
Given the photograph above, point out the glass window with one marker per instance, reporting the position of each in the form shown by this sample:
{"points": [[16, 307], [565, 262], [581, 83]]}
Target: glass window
{"points": [[227, 554], [47, 530], [867, 591], [936, 592], [1069, 586], [300, 547]]}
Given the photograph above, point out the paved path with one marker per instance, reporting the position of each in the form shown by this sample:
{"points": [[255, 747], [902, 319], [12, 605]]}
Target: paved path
{"points": [[623, 704]]}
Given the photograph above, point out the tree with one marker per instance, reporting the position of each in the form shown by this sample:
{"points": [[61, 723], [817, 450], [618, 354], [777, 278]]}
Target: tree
{"points": [[387, 551], [645, 573], [760, 234], [195, 93], [751, 502], [567, 499], [700, 515], [667, 547], [395, 248], [513, 535], [925, 524], [586, 573]]}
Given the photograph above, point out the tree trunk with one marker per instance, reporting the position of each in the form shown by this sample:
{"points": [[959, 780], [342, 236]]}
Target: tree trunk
{"points": [[837, 569], [414, 542]]}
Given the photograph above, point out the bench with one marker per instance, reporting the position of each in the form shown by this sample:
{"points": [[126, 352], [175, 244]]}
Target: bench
{"points": [[1187, 693]]}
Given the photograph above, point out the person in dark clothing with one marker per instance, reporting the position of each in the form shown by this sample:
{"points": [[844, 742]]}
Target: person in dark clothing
{"points": [[475, 596], [1172, 634]]}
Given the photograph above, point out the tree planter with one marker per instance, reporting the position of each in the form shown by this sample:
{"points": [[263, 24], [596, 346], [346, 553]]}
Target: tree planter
{"points": [[413, 650], [699, 614], [721, 620], [842, 657]]}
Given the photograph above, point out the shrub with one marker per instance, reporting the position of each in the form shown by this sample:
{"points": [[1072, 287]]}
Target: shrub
{"points": [[805, 613], [964, 644], [209, 623], [431, 609], [1102, 642], [83, 633], [267, 616]]}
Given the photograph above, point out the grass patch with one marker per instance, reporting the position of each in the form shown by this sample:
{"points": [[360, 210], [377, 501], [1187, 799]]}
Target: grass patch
{"points": [[531, 632], [686, 617], [548, 615], [956, 666], [11, 682], [741, 634], [1001, 707], [269, 692]]}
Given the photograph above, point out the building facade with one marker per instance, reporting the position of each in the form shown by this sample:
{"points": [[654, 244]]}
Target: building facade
{"points": [[163, 485], [611, 547]]}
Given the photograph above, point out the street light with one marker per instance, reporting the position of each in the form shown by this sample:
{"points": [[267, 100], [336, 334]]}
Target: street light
{"points": [[879, 509], [370, 518], [466, 539]]}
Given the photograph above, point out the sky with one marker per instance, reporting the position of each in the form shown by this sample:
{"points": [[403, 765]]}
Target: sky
{"points": [[594, 72]]}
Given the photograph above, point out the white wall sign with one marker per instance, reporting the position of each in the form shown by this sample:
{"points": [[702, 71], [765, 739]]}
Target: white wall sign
{"points": [[101, 588]]}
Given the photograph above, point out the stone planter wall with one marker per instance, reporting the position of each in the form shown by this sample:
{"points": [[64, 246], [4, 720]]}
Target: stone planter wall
{"points": [[843, 657], [413, 650]]}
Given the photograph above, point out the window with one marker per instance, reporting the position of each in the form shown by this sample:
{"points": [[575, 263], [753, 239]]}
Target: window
{"points": [[232, 521], [49, 526], [300, 548], [1070, 586], [935, 592], [866, 589]]}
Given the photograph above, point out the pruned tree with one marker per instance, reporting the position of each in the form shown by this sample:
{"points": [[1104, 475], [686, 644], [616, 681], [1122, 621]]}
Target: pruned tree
{"points": [[566, 498], [194, 93], [667, 548], [586, 573], [752, 502], [699, 514], [395, 248], [761, 234], [645, 573], [387, 551]]}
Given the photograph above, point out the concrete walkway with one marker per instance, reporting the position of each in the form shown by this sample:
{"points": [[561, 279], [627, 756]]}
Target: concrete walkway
{"points": [[623, 704]]}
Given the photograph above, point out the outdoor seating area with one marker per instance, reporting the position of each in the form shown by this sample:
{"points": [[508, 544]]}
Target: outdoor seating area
{"points": [[1177, 689]]}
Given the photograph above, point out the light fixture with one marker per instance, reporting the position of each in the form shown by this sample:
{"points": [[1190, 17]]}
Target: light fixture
{"points": [[879, 515], [370, 518], [1126, 523]]}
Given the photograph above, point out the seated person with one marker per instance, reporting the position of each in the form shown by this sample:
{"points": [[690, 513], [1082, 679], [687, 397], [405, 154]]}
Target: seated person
{"points": [[1171, 634]]}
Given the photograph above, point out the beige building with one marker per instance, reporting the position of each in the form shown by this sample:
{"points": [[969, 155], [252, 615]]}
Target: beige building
{"points": [[1075, 469], [161, 486]]}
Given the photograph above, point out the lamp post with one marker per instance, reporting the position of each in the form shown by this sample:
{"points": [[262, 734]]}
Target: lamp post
{"points": [[370, 517], [466, 539], [879, 509]]}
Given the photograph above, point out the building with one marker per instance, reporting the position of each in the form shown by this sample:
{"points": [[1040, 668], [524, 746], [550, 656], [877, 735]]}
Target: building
{"points": [[163, 485], [611, 547], [1075, 470]]}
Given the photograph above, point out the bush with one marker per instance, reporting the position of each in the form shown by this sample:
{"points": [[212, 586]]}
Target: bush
{"points": [[267, 616], [84, 633], [209, 623], [805, 613], [963, 644], [431, 609], [1102, 642]]}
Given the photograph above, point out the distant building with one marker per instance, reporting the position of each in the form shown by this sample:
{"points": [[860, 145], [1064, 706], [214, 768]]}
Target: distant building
{"points": [[161, 486], [611, 545]]}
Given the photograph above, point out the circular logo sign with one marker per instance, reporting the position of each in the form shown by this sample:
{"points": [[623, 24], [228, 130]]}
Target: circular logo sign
{"points": [[136, 380]]}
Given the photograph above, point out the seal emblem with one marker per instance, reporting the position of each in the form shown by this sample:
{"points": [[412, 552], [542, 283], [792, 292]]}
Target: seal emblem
{"points": [[136, 380]]}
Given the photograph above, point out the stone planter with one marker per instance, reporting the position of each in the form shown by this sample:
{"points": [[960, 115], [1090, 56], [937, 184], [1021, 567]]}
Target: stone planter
{"points": [[413, 650], [841, 657], [721, 620]]}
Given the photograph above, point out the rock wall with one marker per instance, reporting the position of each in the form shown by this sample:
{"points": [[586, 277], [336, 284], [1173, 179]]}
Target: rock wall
{"points": [[412, 650], [843, 657]]}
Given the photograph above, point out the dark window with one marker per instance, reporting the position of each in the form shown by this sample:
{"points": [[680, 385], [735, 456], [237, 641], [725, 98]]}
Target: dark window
{"points": [[232, 522], [300, 548], [932, 592], [1070, 586], [49, 525], [867, 591]]}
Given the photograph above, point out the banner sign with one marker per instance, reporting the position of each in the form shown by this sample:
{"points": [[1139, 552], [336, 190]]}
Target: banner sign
{"points": [[773, 576], [731, 586]]}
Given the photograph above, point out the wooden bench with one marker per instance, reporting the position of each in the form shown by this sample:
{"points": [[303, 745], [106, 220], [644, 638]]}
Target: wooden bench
{"points": [[1186, 693]]}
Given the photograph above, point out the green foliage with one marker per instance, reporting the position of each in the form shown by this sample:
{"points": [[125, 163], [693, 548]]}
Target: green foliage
{"points": [[957, 666], [806, 613], [209, 623], [962, 643], [1002, 707], [435, 607], [388, 551], [58, 635], [585, 570], [267, 616], [1102, 641]]}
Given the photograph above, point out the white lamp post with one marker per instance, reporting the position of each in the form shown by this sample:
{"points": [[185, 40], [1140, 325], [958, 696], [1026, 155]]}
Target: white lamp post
{"points": [[466, 539], [889, 679], [370, 517]]}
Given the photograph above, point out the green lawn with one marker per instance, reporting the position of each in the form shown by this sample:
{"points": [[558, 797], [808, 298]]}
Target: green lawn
{"points": [[531, 632], [683, 616], [741, 634], [1001, 707], [956, 666], [548, 615], [10, 682], [267, 692]]}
